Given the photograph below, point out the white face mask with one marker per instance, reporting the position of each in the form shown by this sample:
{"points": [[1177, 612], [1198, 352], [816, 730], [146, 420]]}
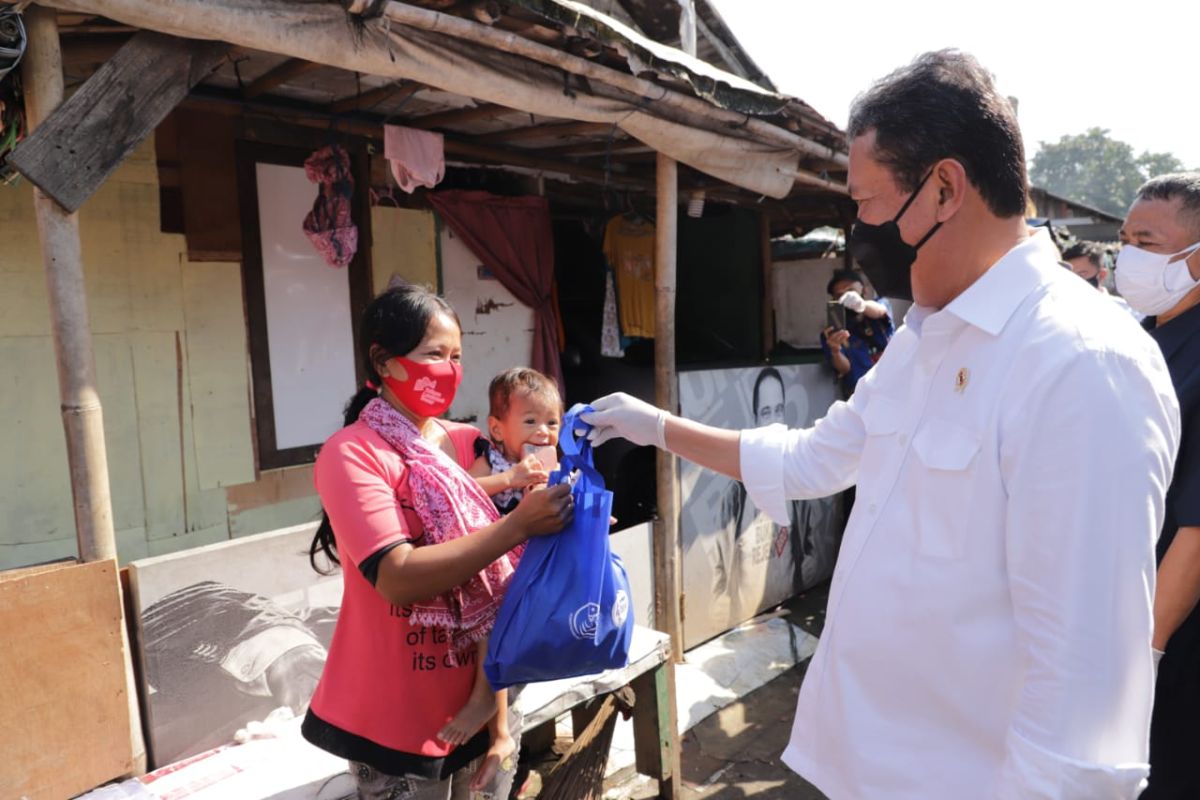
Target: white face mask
{"points": [[1153, 283]]}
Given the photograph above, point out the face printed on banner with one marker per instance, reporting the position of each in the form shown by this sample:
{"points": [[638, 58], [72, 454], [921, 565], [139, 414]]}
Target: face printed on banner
{"points": [[426, 380], [770, 406]]}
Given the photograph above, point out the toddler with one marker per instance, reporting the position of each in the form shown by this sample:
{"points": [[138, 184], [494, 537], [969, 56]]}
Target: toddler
{"points": [[524, 417]]}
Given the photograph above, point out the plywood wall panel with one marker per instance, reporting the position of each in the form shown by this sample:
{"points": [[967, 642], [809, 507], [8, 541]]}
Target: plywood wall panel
{"points": [[404, 243], [157, 378], [206, 508], [216, 344], [114, 377], [35, 491]]}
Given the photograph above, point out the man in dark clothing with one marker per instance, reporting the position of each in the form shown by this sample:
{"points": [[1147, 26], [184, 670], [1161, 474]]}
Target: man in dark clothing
{"points": [[1158, 272], [853, 348]]}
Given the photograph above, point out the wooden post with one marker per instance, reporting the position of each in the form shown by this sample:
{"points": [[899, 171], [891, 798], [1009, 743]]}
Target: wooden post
{"points": [[666, 551], [41, 72], [768, 287], [83, 421], [668, 596], [668, 590]]}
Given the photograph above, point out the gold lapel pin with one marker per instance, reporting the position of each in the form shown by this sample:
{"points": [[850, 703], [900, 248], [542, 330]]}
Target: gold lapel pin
{"points": [[961, 380]]}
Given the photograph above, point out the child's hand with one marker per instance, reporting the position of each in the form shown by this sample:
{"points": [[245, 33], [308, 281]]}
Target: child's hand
{"points": [[529, 472]]}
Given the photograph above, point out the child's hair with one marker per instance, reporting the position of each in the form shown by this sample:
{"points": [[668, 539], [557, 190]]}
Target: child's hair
{"points": [[396, 321], [520, 381]]}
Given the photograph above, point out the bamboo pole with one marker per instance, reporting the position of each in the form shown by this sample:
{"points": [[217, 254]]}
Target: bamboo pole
{"points": [[83, 421]]}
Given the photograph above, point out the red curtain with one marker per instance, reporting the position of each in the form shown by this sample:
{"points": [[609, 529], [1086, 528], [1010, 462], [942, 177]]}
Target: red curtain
{"points": [[513, 238]]}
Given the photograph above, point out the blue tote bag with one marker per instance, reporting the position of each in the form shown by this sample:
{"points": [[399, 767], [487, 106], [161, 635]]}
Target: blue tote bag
{"points": [[566, 612]]}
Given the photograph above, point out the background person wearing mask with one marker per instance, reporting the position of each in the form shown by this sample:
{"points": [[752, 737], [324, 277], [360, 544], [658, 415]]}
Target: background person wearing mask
{"points": [[1158, 271], [854, 349], [988, 629], [1090, 261]]}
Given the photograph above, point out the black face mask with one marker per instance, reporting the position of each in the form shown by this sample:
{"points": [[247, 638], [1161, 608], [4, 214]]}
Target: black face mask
{"points": [[885, 257], [1094, 281]]}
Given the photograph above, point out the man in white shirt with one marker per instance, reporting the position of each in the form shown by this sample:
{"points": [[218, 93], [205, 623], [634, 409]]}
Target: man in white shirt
{"points": [[989, 621]]}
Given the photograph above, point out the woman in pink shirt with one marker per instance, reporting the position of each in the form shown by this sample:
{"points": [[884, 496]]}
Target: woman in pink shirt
{"points": [[425, 559]]}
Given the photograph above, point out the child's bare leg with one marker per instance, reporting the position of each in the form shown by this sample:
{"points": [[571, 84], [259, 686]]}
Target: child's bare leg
{"points": [[480, 707], [503, 748]]}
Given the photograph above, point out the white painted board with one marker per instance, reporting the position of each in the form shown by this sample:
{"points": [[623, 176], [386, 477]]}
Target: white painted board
{"points": [[309, 327]]}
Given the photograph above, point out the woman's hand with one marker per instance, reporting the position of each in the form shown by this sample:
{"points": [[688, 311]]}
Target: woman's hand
{"points": [[543, 512], [529, 472]]}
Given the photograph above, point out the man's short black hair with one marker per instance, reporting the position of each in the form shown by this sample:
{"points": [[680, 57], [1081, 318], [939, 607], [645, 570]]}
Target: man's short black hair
{"points": [[843, 275], [945, 105], [1093, 252], [1185, 186]]}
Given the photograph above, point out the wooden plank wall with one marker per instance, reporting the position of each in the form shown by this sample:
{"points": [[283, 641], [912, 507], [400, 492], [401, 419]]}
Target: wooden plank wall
{"points": [[173, 374]]}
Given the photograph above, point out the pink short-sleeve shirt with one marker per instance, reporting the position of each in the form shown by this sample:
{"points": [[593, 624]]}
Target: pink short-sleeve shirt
{"points": [[386, 681]]}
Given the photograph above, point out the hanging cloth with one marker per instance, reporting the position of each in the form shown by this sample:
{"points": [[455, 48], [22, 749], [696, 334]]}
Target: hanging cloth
{"points": [[417, 158], [629, 247], [610, 327], [329, 226], [514, 238]]}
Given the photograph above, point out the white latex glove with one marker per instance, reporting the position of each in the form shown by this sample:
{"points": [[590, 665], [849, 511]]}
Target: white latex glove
{"points": [[621, 416], [853, 301]]}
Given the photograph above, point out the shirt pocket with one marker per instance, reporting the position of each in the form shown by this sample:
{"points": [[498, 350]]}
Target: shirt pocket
{"points": [[948, 454]]}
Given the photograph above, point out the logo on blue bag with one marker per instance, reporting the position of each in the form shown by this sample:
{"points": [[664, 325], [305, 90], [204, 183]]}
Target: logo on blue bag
{"points": [[620, 609], [584, 621]]}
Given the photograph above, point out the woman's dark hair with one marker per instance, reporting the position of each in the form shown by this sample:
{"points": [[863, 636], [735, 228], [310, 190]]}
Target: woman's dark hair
{"points": [[945, 105], [396, 322]]}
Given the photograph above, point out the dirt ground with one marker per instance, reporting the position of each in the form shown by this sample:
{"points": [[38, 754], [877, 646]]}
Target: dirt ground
{"points": [[734, 753]]}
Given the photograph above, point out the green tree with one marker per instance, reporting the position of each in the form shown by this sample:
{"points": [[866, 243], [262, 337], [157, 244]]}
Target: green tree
{"points": [[1097, 170]]}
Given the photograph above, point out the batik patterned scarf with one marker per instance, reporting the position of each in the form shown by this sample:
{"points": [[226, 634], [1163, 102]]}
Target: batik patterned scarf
{"points": [[450, 504]]}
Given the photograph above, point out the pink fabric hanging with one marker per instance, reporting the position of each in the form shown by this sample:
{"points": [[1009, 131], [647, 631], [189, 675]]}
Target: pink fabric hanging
{"points": [[417, 158], [513, 238], [329, 225]]}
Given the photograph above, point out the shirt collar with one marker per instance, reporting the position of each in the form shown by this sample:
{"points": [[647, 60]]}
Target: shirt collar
{"points": [[990, 301]]}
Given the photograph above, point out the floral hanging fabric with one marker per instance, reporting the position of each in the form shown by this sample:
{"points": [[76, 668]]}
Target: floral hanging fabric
{"points": [[329, 225]]}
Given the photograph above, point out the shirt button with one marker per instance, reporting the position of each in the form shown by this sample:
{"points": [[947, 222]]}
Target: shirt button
{"points": [[902, 439], [872, 508]]}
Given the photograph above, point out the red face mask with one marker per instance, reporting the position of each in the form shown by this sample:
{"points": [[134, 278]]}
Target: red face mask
{"points": [[430, 387]]}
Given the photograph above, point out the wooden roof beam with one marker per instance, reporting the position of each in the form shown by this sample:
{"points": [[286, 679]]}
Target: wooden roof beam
{"points": [[556, 130], [478, 152], [598, 147], [373, 97], [287, 71], [458, 116]]}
